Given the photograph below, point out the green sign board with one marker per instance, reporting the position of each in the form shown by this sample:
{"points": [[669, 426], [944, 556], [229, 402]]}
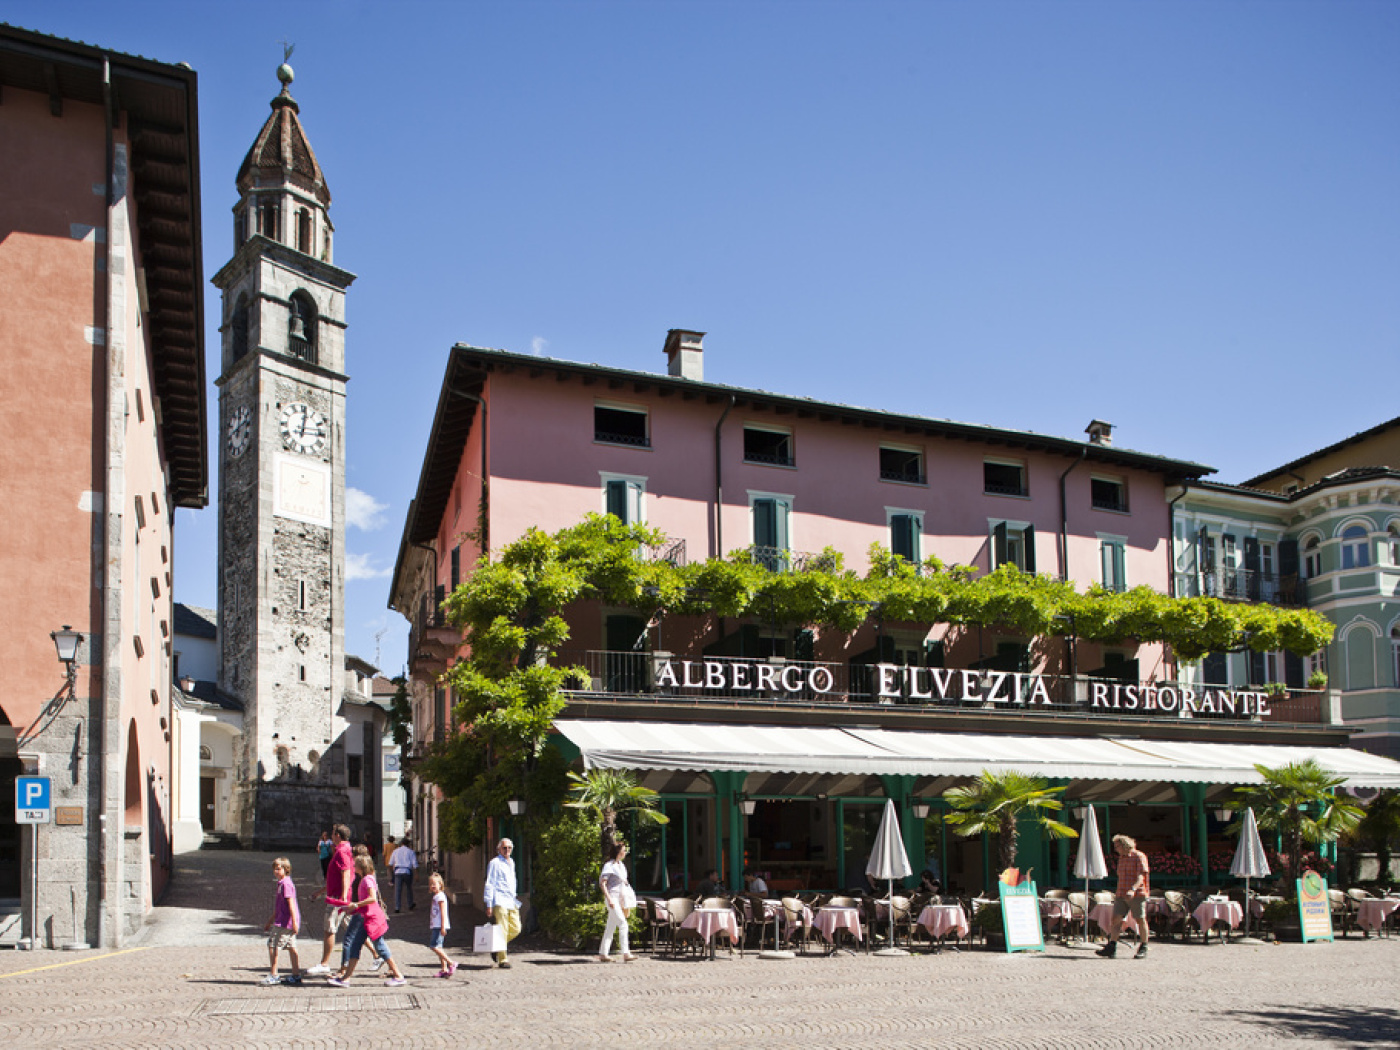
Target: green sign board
{"points": [[1314, 908], [1020, 918]]}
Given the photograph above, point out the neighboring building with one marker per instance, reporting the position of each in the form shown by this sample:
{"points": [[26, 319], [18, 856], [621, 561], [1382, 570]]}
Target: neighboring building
{"points": [[394, 800], [1324, 532], [209, 724], [282, 492], [104, 436], [774, 745]]}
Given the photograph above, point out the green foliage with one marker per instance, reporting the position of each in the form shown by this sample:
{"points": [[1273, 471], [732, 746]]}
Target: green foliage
{"points": [[401, 715], [1379, 828], [567, 866], [606, 794], [1317, 680], [995, 802], [1299, 801]]}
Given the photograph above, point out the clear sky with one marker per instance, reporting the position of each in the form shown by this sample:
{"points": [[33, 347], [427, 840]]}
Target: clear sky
{"points": [[1182, 217]]}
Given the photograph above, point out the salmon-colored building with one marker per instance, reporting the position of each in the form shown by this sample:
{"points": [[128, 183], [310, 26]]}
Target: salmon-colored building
{"points": [[103, 439]]}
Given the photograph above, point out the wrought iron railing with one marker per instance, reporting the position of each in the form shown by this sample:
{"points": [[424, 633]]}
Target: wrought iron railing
{"points": [[1242, 585], [913, 477], [614, 438], [673, 552], [780, 559]]}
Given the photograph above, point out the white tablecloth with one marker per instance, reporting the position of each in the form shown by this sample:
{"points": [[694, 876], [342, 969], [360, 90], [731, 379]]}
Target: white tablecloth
{"points": [[828, 920], [943, 919], [710, 921], [1371, 914], [1208, 913]]}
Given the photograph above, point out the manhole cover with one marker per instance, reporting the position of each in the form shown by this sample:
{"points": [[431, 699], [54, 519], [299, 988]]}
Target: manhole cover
{"points": [[318, 1004]]}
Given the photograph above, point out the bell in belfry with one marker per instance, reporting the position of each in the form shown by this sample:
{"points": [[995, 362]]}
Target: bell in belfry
{"points": [[298, 327]]}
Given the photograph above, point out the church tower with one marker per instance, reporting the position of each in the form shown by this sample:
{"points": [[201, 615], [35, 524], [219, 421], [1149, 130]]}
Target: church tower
{"points": [[282, 489]]}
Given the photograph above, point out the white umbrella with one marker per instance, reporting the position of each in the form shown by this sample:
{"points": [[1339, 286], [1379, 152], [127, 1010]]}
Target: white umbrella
{"points": [[889, 861], [1089, 863], [1249, 863]]}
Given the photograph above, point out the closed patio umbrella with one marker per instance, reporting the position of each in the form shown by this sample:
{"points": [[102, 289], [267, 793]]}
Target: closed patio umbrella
{"points": [[889, 861], [1089, 864], [1249, 863]]}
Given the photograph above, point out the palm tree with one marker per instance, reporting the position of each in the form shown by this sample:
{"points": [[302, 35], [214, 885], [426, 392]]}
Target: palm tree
{"points": [[1298, 801], [1380, 828], [993, 804], [605, 794]]}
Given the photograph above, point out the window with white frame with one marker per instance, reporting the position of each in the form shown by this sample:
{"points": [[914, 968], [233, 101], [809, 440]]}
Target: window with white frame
{"points": [[616, 424], [902, 463], [1312, 558], [1356, 547], [624, 496], [1013, 543], [1113, 551], [1004, 477], [769, 445], [771, 518], [1107, 493], [906, 533], [1395, 654], [1393, 538]]}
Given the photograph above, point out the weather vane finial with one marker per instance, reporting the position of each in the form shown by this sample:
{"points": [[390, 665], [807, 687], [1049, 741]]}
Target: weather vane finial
{"points": [[284, 71], [287, 50]]}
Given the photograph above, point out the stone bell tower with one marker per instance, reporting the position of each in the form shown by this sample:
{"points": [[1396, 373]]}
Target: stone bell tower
{"points": [[282, 489]]}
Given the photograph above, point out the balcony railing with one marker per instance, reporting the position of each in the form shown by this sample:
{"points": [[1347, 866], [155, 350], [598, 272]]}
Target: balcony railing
{"points": [[912, 477], [780, 559], [657, 677], [1242, 585], [673, 552]]}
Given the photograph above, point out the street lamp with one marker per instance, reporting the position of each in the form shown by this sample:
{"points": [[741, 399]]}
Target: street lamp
{"points": [[921, 810], [66, 642], [746, 805], [517, 806], [1223, 815]]}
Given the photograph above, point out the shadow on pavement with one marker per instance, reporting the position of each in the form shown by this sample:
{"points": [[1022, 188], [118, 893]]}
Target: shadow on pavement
{"points": [[1347, 1025]]}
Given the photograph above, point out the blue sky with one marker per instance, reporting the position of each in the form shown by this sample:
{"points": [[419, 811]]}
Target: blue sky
{"points": [[1180, 217]]}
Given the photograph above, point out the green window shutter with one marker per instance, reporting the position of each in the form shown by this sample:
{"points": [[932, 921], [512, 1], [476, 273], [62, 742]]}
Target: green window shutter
{"points": [[999, 545], [765, 523], [902, 536], [1028, 544], [617, 501], [1120, 569]]}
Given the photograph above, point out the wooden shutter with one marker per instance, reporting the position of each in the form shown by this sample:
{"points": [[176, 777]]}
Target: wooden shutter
{"points": [[617, 500], [999, 545], [902, 536], [1028, 548], [1205, 553]]}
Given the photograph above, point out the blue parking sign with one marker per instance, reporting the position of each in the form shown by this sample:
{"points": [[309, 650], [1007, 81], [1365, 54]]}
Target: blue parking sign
{"points": [[33, 803]]}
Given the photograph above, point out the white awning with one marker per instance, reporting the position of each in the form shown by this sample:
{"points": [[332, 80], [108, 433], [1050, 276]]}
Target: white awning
{"points": [[872, 752]]}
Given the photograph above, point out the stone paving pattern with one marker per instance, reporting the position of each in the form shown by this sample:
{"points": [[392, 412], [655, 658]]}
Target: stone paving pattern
{"points": [[192, 981]]}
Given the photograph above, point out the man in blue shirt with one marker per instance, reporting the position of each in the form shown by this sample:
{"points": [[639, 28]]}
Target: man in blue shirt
{"points": [[498, 896]]}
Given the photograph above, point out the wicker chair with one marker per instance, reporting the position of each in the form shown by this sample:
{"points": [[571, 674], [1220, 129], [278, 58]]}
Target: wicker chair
{"points": [[755, 916], [796, 923], [678, 909], [1078, 913]]}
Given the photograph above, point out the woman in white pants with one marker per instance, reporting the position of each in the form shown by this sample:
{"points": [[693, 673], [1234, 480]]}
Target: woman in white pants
{"points": [[620, 900]]}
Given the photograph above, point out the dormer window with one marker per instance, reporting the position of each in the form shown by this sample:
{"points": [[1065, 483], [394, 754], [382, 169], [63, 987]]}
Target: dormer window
{"points": [[301, 327]]}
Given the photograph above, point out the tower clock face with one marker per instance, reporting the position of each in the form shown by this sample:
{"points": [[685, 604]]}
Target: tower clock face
{"points": [[303, 428], [240, 431]]}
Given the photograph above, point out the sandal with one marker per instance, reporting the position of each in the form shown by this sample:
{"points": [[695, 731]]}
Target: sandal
{"points": [[602, 958]]}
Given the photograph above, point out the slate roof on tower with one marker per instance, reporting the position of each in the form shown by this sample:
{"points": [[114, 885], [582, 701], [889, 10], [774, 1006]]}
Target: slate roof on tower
{"points": [[282, 152]]}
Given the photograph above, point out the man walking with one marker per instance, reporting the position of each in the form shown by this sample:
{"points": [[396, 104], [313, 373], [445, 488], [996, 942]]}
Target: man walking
{"points": [[403, 862], [340, 873], [1130, 898], [498, 896]]}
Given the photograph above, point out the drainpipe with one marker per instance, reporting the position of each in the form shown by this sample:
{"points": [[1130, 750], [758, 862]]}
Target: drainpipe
{"points": [[718, 552], [1064, 555], [102, 738]]}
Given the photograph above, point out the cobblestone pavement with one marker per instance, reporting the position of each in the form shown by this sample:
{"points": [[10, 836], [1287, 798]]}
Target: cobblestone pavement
{"points": [[192, 981]]}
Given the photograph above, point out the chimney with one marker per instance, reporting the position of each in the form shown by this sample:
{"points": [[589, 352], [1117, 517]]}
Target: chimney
{"points": [[1100, 432], [685, 354]]}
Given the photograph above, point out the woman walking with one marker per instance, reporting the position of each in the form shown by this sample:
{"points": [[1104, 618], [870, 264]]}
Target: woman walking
{"points": [[620, 900]]}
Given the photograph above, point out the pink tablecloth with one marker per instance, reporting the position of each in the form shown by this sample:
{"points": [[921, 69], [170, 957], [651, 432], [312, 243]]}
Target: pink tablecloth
{"points": [[1371, 914], [943, 919], [1056, 911], [828, 920], [1102, 916], [1208, 913], [710, 921], [788, 923]]}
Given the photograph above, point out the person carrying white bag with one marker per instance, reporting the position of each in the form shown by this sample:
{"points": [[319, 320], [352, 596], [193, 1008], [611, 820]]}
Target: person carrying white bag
{"points": [[620, 900], [499, 900]]}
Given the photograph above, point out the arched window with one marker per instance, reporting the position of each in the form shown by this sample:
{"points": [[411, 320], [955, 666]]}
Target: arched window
{"points": [[239, 325], [1393, 536], [1356, 552], [303, 231], [1312, 559], [240, 228], [301, 327]]}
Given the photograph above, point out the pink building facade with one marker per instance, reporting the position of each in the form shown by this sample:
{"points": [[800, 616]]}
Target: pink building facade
{"points": [[104, 439]]}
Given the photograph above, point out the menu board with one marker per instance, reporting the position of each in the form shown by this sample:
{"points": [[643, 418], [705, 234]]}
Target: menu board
{"points": [[1020, 917], [1314, 908]]}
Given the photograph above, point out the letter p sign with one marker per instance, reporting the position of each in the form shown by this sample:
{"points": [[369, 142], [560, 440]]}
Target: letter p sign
{"points": [[33, 804]]}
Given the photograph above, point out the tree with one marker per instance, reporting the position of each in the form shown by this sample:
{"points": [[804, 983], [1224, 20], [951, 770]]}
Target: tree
{"points": [[1380, 829], [606, 794], [1298, 801], [994, 803]]}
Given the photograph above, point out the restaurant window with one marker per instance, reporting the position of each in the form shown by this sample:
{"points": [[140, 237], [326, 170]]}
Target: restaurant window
{"points": [[772, 530], [1356, 553], [1108, 494], [906, 534], [1312, 558], [622, 498], [619, 425], [772, 447], [1112, 563], [1013, 543], [902, 464], [1003, 478]]}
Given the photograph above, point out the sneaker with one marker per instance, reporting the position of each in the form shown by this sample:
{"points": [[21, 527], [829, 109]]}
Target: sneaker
{"points": [[451, 969], [1141, 953], [337, 982], [395, 982], [378, 962], [271, 978], [317, 971], [1109, 950], [294, 980]]}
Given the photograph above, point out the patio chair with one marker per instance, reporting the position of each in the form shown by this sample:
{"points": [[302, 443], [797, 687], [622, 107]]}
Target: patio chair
{"points": [[678, 910], [871, 926], [655, 924], [1176, 916], [796, 923], [1079, 914], [715, 902], [839, 902], [1342, 911], [904, 916], [756, 916]]}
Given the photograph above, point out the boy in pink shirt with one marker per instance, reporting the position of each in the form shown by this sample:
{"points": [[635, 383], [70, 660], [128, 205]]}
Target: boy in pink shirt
{"points": [[284, 924]]}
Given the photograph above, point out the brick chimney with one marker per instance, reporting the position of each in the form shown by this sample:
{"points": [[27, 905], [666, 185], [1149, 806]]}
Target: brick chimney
{"points": [[1100, 432], [685, 354]]}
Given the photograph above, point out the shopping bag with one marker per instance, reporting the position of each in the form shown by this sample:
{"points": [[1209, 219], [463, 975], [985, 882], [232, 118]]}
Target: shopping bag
{"points": [[489, 938], [629, 897]]}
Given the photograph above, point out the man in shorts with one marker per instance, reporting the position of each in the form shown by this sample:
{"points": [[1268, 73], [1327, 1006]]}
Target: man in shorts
{"points": [[1130, 898], [340, 873]]}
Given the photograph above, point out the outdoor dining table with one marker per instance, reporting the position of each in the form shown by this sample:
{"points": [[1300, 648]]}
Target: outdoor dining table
{"points": [[1258, 902], [711, 921], [828, 920], [943, 919], [1208, 913], [1056, 911], [1372, 912], [1102, 916]]}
